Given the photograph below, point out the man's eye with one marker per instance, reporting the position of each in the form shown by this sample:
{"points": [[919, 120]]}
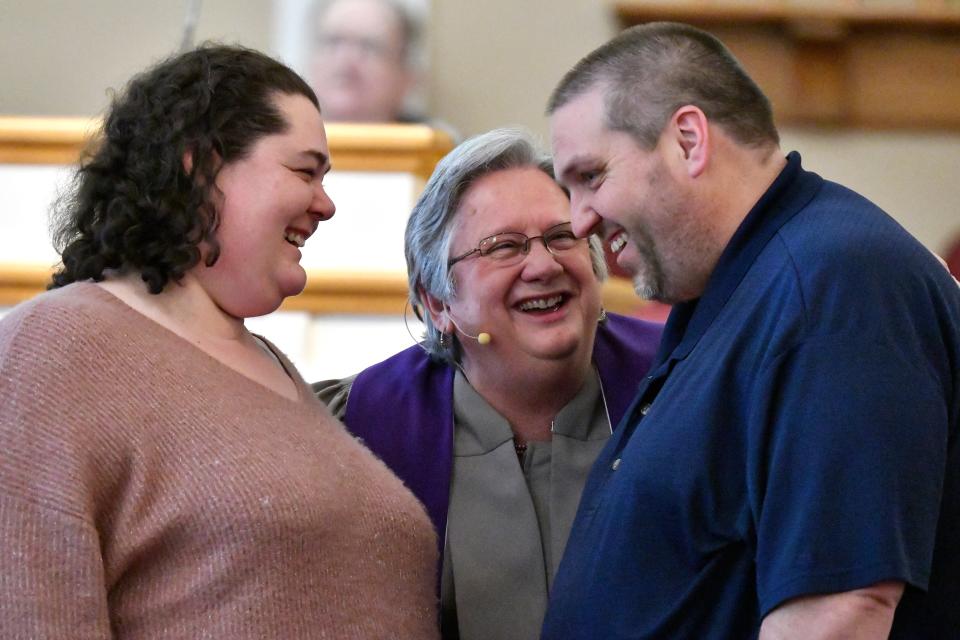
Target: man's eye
{"points": [[306, 173], [590, 178], [371, 47]]}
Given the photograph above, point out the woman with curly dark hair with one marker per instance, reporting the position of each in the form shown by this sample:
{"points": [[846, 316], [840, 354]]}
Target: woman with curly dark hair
{"points": [[165, 473]]}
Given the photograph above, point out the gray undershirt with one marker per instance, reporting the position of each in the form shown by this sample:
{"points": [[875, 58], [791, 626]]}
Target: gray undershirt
{"points": [[508, 525]]}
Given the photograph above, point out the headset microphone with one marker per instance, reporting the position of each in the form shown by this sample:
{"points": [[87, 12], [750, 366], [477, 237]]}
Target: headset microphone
{"points": [[482, 338]]}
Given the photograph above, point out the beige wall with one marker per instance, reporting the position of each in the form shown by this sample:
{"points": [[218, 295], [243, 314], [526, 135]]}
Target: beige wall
{"points": [[519, 50], [493, 63], [913, 176], [60, 57]]}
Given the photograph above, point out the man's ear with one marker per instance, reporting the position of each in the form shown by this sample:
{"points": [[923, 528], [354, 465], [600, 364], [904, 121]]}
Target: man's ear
{"points": [[689, 133], [437, 310]]}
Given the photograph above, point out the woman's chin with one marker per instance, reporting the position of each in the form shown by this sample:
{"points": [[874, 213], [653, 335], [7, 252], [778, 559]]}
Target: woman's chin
{"points": [[260, 302], [293, 284], [554, 345]]}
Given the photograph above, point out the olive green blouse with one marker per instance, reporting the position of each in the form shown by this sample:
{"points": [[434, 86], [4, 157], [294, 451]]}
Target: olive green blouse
{"points": [[508, 522]]}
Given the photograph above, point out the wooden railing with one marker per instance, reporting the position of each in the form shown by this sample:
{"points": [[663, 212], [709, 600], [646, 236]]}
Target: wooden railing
{"points": [[851, 63], [411, 149], [326, 291], [354, 147]]}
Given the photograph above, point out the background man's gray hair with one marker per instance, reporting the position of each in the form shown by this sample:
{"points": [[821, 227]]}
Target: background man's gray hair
{"points": [[651, 70], [433, 219]]}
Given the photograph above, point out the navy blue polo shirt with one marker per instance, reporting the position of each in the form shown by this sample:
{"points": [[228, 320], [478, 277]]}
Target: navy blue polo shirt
{"points": [[798, 434]]}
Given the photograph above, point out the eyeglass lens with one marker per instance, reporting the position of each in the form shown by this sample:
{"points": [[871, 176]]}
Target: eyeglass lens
{"points": [[507, 246]]}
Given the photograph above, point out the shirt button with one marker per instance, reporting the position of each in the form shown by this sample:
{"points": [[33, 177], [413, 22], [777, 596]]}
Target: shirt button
{"points": [[616, 464], [645, 409]]}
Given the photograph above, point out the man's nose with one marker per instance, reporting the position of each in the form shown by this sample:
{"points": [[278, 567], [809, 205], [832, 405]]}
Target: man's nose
{"points": [[584, 220]]}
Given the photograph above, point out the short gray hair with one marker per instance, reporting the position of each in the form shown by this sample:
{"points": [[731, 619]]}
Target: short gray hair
{"points": [[651, 70], [432, 221]]}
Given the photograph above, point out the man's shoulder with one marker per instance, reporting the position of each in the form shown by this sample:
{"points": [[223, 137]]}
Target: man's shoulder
{"points": [[841, 238], [843, 267], [839, 223]]}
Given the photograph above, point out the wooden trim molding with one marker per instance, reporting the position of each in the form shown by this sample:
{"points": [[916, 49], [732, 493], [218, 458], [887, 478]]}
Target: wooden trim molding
{"points": [[919, 13], [414, 149], [354, 147], [847, 63], [327, 292], [30, 140], [407, 148]]}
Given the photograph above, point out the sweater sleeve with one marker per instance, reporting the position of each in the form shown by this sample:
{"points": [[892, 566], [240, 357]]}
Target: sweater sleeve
{"points": [[51, 574], [52, 578]]}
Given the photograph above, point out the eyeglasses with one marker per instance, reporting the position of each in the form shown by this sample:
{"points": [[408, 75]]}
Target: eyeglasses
{"points": [[369, 48], [510, 248]]}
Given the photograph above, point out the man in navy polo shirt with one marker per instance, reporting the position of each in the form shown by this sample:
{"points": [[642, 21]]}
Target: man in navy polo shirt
{"points": [[790, 468]]}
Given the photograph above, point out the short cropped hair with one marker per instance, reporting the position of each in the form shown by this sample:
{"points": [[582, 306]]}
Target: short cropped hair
{"points": [[651, 70], [144, 197], [433, 219]]}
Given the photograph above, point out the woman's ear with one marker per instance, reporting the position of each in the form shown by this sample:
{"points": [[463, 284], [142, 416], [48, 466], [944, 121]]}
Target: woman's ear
{"points": [[437, 310]]}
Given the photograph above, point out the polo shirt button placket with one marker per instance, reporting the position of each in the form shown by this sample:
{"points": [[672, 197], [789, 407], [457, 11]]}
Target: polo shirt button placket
{"points": [[644, 410]]}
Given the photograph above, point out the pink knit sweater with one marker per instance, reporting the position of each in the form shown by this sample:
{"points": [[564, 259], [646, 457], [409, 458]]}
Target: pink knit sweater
{"points": [[148, 491]]}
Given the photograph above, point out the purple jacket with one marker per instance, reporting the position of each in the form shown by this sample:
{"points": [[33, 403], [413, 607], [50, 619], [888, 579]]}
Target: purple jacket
{"points": [[402, 408]]}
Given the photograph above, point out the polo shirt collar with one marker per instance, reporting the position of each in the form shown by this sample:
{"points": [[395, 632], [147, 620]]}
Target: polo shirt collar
{"points": [[785, 197]]}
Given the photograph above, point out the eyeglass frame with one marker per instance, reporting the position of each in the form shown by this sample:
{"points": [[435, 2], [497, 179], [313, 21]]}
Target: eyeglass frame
{"points": [[524, 248], [369, 48]]}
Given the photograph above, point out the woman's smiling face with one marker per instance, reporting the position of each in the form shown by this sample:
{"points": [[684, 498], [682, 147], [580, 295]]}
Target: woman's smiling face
{"points": [[272, 201], [543, 306]]}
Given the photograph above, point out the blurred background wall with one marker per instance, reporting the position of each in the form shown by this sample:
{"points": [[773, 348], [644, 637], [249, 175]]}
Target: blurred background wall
{"points": [[491, 63]]}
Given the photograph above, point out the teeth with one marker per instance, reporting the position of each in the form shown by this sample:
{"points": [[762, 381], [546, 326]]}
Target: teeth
{"points": [[294, 238], [541, 303], [618, 243]]}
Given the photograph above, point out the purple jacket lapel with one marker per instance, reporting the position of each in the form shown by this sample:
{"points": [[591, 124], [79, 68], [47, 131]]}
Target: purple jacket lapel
{"points": [[402, 408]]}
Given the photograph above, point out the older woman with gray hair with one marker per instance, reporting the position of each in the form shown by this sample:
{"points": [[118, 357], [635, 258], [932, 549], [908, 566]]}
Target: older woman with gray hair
{"points": [[495, 419]]}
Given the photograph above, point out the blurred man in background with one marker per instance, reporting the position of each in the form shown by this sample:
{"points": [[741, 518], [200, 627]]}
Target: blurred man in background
{"points": [[362, 60]]}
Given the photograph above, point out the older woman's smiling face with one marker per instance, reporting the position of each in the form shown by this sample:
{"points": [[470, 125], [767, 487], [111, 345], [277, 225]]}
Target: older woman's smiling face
{"points": [[546, 305]]}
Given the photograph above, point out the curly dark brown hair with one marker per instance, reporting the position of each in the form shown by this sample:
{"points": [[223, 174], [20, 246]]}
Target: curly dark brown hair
{"points": [[136, 202]]}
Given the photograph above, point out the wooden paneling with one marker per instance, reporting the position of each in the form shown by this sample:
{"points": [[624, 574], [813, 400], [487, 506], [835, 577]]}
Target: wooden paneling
{"points": [[326, 291], [844, 63], [364, 148], [400, 148], [354, 147]]}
